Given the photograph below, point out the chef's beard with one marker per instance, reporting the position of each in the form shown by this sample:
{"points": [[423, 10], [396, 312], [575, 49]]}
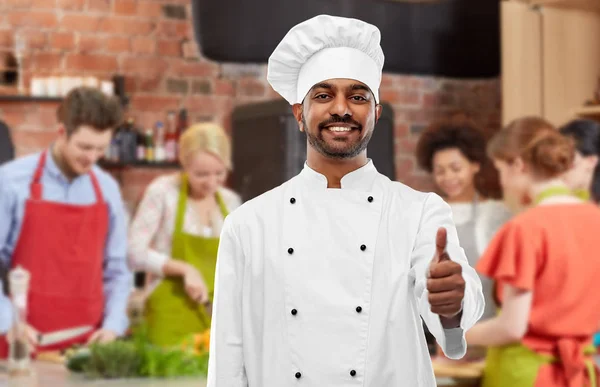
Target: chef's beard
{"points": [[348, 151]]}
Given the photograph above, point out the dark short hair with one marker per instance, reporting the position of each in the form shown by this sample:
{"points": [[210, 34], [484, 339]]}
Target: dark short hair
{"points": [[91, 107], [456, 132], [586, 134]]}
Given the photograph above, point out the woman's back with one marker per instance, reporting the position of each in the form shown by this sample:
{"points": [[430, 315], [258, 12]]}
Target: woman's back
{"points": [[552, 250]]}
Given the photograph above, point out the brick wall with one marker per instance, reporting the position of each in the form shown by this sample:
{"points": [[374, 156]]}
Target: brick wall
{"points": [[150, 42]]}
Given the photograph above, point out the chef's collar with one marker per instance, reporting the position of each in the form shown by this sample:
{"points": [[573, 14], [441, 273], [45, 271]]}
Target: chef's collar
{"points": [[360, 179]]}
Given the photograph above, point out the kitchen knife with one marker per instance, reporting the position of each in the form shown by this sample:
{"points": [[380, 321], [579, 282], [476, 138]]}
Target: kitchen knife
{"points": [[49, 338]]}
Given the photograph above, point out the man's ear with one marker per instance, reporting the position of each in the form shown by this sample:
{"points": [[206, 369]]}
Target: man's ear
{"points": [[378, 109], [298, 111]]}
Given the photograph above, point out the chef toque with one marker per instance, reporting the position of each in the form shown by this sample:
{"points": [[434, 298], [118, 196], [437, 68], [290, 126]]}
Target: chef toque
{"points": [[326, 47]]}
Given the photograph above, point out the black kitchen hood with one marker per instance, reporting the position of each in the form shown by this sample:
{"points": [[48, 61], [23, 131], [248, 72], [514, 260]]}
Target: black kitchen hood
{"points": [[451, 38]]}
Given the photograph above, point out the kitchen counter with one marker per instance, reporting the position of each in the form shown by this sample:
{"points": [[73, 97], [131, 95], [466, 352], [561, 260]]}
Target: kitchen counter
{"points": [[48, 374], [52, 374]]}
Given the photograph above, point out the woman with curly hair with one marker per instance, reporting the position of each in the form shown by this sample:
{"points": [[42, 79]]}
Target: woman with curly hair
{"points": [[453, 151]]}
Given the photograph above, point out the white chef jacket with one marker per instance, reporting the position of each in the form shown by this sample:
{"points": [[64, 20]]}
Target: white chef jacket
{"points": [[324, 287]]}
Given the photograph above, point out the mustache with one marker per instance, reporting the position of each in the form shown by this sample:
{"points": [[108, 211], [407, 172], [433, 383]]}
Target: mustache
{"points": [[340, 120]]}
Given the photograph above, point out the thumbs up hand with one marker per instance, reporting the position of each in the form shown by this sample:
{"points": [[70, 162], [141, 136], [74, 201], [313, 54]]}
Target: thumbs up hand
{"points": [[445, 283]]}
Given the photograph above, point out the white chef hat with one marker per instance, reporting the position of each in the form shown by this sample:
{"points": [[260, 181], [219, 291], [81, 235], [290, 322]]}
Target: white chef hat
{"points": [[326, 47]]}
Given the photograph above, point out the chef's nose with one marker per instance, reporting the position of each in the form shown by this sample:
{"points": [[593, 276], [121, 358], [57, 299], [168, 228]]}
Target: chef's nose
{"points": [[340, 107]]}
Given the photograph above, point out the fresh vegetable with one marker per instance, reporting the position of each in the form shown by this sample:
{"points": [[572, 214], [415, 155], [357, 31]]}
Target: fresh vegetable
{"points": [[136, 357]]}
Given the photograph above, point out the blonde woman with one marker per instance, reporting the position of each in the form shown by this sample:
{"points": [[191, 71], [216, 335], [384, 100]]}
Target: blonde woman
{"points": [[174, 236]]}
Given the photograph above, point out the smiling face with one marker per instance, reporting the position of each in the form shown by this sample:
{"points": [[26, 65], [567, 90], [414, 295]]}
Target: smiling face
{"points": [[454, 174], [338, 116], [82, 149], [206, 173]]}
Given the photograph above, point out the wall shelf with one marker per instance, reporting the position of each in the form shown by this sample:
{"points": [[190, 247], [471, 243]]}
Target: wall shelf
{"points": [[138, 164], [32, 98], [590, 5], [28, 98], [588, 111]]}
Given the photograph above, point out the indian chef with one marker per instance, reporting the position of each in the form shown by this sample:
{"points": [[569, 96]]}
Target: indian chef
{"points": [[323, 280]]}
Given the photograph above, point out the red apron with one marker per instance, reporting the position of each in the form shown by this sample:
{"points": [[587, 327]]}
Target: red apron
{"points": [[62, 247]]}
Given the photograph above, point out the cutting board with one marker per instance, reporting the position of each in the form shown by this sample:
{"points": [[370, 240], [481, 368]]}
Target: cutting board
{"points": [[51, 357]]}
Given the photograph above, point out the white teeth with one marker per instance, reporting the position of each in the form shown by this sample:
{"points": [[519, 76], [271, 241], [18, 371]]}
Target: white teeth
{"points": [[339, 129]]}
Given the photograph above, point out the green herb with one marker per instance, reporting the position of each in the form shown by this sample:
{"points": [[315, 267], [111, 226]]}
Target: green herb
{"points": [[136, 357]]}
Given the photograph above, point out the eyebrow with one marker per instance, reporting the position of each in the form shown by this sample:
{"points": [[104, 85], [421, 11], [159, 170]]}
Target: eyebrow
{"points": [[329, 86]]}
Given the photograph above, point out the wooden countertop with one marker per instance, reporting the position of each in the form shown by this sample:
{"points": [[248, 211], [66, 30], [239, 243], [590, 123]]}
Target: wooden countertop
{"points": [[49, 372]]}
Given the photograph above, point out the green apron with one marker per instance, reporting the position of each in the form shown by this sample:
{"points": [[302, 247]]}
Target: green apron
{"points": [[171, 316], [518, 366]]}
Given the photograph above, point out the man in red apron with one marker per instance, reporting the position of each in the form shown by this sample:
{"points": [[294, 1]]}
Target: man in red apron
{"points": [[63, 220]]}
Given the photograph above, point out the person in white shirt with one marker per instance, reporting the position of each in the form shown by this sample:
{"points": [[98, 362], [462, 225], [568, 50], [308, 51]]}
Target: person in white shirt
{"points": [[453, 151], [322, 280], [174, 235]]}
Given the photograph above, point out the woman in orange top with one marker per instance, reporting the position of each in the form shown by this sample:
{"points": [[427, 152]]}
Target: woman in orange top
{"points": [[543, 262]]}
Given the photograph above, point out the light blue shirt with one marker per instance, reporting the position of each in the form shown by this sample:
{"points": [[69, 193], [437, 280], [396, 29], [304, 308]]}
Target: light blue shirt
{"points": [[15, 180]]}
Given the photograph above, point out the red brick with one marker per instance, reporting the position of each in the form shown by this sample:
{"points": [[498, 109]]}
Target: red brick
{"points": [[150, 9], [206, 105], [38, 19], [62, 41], [33, 141], [408, 145], [151, 83], [13, 119], [126, 26], [400, 97], [190, 50], [154, 103], [408, 82], [46, 116], [440, 99], [80, 23], [45, 60], [130, 85], [195, 69], [175, 29], [118, 44], [42, 4], [99, 5], [71, 5], [386, 81], [143, 45], [90, 43], [16, 4], [6, 38], [34, 39], [224, 87], [421, 183], [125, 7], [79, 62], [401, 130], [170, 48], [405, 166], [144, 67], [250, 87]]}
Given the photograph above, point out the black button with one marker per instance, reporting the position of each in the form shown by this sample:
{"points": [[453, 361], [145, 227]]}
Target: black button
{"points": [[290, 251], [363, 247], [292, 200], [370, 199], [298, 375], [352, 373], [294, 312], [358, 309]]}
